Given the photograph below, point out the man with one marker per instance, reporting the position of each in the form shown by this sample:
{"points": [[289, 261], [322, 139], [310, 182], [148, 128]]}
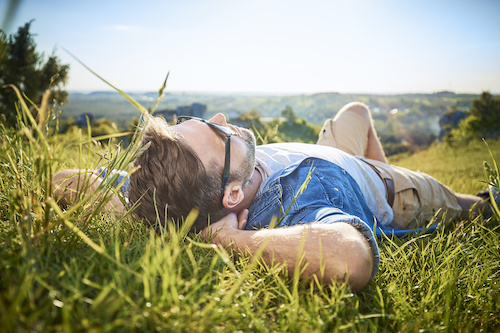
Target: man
{"points": [[332, 196]]}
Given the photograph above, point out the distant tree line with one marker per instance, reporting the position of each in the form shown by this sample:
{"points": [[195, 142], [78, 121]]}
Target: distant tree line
{"points": [[287, 128]]}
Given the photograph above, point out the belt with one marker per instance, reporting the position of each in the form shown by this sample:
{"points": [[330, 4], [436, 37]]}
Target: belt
{"points": [[389, 188], [388, 184]]}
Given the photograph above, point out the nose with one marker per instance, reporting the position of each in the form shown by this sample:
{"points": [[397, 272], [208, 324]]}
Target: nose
{"points": [[219, 119]]}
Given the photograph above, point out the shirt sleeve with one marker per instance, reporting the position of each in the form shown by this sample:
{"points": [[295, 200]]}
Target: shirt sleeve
{"points": [[334, 215], [121, 175]]}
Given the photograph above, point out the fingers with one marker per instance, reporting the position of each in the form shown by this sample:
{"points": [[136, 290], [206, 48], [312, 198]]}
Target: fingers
{"points": [[242, 219]]}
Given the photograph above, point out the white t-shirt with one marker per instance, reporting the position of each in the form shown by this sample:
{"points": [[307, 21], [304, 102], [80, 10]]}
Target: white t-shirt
{"points": [[277, 156]]}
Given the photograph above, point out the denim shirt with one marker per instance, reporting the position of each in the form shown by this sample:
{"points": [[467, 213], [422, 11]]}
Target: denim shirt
{"points": [[121, 175], [315, 190]]}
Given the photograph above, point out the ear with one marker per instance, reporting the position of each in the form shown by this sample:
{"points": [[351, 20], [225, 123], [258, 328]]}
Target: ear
{"points": [[233, 195]]}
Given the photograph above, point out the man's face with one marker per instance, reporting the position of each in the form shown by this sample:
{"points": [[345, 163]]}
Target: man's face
{"points": [[210, 146]]}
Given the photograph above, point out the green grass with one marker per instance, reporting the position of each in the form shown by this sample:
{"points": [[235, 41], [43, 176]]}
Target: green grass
{"points": [[80, 270]]}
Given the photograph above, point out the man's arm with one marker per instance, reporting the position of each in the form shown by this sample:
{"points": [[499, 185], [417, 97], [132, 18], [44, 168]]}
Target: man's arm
{"points": [[339, 248], [69, 184]]}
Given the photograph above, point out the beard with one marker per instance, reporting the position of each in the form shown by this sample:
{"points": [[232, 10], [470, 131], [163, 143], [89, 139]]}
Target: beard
{"points": [[245, 172], [249, 165]]}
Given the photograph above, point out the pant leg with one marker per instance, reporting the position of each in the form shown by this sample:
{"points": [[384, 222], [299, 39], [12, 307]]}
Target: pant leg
{"points": [[348, 131], [418, 198]]}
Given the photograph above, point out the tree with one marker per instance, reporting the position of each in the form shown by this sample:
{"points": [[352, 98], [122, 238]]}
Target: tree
{"points": [[288, 114], [22, 66], [482, 122], [487, 110]]}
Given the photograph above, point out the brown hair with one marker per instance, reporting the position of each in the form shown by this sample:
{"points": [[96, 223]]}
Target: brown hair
{"points": [[171, 180]]}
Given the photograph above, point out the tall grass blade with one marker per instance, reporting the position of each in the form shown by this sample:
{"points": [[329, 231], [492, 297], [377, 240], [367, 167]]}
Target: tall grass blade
{"points": [[127, 97], [161, 94]]}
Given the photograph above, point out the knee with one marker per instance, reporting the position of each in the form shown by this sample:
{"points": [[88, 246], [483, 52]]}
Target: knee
{"points": [[360, 109], [326, 136]]}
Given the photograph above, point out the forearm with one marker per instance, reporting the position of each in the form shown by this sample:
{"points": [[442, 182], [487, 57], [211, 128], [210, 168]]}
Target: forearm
{"points": [[330, 251], [71, 184]]}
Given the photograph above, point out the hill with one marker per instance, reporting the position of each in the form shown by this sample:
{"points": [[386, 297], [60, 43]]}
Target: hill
{"points": [[404, 122], [315, 108]]}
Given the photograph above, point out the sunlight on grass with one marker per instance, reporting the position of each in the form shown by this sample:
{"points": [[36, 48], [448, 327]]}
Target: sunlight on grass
{"points": [[79, 269]]}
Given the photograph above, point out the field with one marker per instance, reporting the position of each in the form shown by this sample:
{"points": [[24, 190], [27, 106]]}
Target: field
{"points": [[80, 269]]}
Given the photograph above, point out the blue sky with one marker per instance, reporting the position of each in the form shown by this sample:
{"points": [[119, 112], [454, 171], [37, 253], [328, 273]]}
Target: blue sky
{"points": [[274, 46]]}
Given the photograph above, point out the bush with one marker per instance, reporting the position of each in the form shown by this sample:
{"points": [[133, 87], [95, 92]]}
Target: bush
{"points": [[483, 121]]}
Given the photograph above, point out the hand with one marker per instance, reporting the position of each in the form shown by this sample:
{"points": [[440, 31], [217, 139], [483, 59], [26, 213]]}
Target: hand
{"points": [[242, 219], [225, 225]]}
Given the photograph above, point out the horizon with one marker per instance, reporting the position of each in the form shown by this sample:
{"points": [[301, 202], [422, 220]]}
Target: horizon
{"points": [[249, 93], [272, 48]]}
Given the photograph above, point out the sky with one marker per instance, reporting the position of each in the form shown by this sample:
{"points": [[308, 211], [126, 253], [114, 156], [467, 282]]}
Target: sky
{"points": [[271, 47]]}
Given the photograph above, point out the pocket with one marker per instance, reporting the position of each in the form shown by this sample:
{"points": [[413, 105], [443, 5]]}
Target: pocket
{"points": [[406, 209], [320, 191]]}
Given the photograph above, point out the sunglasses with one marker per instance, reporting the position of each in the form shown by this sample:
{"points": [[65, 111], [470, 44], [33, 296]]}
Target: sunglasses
{"points": [[224, 131]]}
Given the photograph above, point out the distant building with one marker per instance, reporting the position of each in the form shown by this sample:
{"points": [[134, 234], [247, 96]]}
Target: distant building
{"points": [[81, 120], [194, 110], [232, 115]]}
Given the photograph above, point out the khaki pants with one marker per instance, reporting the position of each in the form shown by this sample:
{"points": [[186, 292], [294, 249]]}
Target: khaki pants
{"points": [[418, 196]]}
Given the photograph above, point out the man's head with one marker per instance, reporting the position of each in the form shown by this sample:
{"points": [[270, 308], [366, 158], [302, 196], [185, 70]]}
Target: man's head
{"points": [[182, 169]]}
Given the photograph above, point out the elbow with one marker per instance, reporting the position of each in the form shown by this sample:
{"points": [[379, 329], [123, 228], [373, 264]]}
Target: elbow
{"points": [[360, 267], [64, 186], [357, 271], [69, 184], [356, 266]]}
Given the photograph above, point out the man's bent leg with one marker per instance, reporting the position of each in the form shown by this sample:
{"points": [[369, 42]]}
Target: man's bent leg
{"points": [[468, 202], [352, 131]]}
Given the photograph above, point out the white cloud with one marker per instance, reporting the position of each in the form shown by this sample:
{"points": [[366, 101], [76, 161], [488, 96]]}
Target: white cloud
{"points": [[126, 28]]}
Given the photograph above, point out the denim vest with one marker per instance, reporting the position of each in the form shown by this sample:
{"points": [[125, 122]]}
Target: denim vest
{"points": [[315, 190]]}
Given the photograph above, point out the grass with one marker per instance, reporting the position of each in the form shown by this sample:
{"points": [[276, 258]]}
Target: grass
{"points": [[81, 270]]}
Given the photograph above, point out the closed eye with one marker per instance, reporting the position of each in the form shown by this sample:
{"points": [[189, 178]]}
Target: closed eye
{"points": [[220, 134]]}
